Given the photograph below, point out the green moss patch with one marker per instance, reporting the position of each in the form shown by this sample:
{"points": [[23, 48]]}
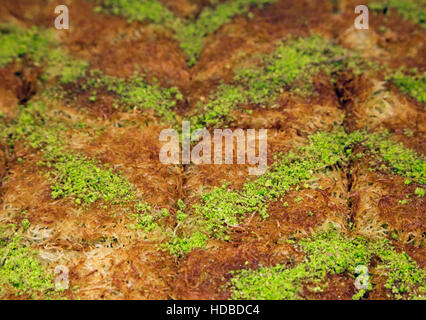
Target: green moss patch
{"points": [[292, 66], [72, 174], [402, 161], [21, 271], [190, 33], [412, 10], [329, 253], [40, 47], [135, 92], [412, 83]]}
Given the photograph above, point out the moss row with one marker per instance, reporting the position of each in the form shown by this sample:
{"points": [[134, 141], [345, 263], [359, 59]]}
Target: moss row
{"points": [[135, 93], [222, 207], [293, 65], [330, 253], [72, 174], [191, 33]]}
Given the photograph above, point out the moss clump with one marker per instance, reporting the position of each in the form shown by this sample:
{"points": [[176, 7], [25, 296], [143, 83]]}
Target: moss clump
{"points": [[86, 181], [330, 253], [21, 272], [293, 65], [412, 83], [182, 245], [402, 161], [413, 10], [39, 46], [135, 92]]}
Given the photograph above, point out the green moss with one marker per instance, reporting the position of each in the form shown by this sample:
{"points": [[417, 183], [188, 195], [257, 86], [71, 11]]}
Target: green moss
{"points": [[182, 245], [39, 46], [86, 181], [135, 92], [221, 208], [190, 33], [21, 271], [292, 66], [412, 83], [413, 10], [328, 253], [71, 174], [137, 10], [401, 160]]}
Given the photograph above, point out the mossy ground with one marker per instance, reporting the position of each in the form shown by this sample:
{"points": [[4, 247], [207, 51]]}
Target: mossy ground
{"points": [[84, 183]]}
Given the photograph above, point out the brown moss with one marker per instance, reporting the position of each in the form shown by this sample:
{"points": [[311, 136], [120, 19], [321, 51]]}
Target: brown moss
{"points": [[204, 273], [391, 46], [377, 209]]}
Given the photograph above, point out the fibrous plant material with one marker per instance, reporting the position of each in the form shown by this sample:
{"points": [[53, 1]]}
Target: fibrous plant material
{"points": [[136, 93], [21, 271], [293, 65], [191, 33], [413, 83], [39, 46], [338, 213]]}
